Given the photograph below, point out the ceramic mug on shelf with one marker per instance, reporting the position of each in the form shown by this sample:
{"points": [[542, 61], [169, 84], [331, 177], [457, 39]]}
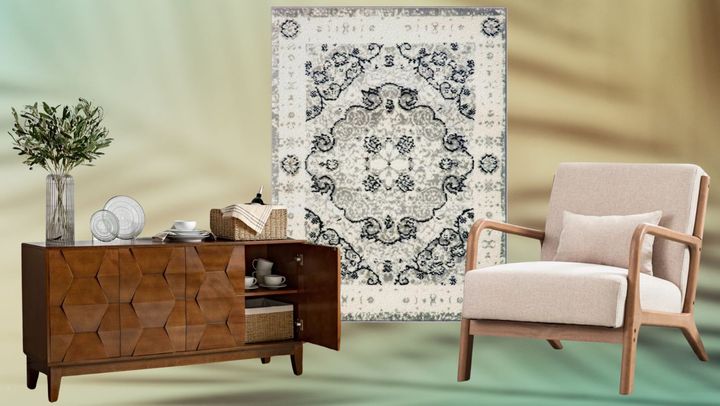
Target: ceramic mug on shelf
{"points": [[260, 275], [274, 280], [262, 264], [262, 268], [250, 282]]}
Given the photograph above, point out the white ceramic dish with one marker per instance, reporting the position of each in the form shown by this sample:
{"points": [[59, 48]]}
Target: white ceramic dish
{"points": [[187, 233], [273, 286], [104, 225], [130, 215], [186, 238], [184, 225], [252, 287]]}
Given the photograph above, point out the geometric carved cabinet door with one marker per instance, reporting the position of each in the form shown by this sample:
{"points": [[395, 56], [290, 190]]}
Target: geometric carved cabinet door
{"points": [[215, 290], [152, 300], [83, 304]]}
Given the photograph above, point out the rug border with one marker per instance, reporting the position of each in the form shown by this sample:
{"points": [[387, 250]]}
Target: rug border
{"points": [[350, 11]]}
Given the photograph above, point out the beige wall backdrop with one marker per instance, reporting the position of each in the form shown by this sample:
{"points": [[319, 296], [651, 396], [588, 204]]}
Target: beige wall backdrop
{"points": [[186, 90]]}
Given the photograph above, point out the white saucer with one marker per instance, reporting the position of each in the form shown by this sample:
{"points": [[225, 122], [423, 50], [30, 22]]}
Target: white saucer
{"points": [[187, 232], [273, 286], [252, 287]]}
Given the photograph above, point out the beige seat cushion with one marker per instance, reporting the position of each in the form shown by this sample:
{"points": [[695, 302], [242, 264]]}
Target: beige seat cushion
{"points": [[605, 240], [561, 292]]}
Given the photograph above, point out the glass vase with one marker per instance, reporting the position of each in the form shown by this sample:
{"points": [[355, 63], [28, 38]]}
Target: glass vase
{"points": [[60, 209]]}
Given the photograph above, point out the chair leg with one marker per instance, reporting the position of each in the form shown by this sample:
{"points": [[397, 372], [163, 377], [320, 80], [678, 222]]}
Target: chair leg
{"points": [[265, 360], [466, 348], [692, 335], [556, 344], [629, 352]]}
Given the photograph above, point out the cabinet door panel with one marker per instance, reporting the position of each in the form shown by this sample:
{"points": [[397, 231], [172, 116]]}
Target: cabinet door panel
{"points": [[152, 300], [215, 305], [83, 309], [320, 296]]}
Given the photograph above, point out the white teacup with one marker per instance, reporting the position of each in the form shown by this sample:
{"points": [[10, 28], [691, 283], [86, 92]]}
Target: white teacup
{"points": [[260, 275], [262, 264], [274, 280], [184, 225], [250, 282]]}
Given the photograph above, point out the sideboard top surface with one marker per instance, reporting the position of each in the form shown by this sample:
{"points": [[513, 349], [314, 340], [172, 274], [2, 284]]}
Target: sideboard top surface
{"points": [[149, 242]]}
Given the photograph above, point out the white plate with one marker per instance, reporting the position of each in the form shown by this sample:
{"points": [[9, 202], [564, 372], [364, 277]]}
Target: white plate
{"points": [[252, 287], [104, 225], [194, 230], [273, 286], [131, 217], [188, 233]]}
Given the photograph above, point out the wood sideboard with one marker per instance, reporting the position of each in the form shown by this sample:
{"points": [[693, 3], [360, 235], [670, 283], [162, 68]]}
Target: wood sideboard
{"points": [[145, 304]]}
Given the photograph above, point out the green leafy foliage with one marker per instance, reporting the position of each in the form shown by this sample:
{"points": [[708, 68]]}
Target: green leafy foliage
{"points": [[59, 138]]}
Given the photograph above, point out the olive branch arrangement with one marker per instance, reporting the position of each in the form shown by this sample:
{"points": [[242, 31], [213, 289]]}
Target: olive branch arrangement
{"points": [[59, 138]]}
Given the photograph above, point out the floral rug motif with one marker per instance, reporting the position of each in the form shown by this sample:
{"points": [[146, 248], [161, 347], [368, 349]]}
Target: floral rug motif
{"points": [[389, 142]]}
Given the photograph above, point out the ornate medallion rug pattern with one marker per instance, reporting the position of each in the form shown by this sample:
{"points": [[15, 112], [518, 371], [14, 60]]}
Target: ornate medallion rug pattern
{"points": [[389, 141]]}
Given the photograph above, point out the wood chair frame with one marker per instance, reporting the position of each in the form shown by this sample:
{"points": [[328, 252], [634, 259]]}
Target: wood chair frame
{"points": [[634, 315]]}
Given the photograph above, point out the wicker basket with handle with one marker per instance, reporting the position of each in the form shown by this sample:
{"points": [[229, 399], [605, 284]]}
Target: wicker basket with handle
{"points": [[268, 320], [231, 228]]}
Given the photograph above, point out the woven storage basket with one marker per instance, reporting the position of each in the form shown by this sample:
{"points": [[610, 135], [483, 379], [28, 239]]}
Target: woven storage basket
{"points": [[267, 320], [231, 228]]}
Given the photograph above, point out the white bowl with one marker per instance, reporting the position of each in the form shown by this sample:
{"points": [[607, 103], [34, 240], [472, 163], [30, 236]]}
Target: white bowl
{"points": [[184, 225]]}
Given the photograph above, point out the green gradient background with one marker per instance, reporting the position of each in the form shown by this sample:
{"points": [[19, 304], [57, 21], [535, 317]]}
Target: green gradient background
{"points": [[186, 90]]}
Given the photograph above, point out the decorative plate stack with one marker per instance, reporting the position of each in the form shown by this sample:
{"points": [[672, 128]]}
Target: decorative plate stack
{"points": [[122, 217], [184, 231]]}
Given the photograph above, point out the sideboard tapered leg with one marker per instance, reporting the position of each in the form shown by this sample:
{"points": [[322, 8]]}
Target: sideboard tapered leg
{"points": [[265, 360], [54, 376], [296, 359], [32, 376]]}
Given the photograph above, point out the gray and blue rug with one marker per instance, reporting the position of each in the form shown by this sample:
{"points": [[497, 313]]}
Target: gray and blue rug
{"points": [[389, 141]]}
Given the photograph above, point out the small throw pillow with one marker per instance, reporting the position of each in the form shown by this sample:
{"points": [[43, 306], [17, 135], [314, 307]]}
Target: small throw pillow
{"points": [[605, 240]]}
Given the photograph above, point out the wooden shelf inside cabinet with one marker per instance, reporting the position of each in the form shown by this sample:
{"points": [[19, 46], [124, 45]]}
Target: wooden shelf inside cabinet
{"points": [[269, 292]]}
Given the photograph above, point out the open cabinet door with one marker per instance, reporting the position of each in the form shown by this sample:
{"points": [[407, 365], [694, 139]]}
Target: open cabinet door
{"points": [[320, 295]]}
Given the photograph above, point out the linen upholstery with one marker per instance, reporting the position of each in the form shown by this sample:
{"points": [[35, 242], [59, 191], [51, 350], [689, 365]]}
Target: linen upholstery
{"points": [[602, 189], [561, 292], [605, 240]]}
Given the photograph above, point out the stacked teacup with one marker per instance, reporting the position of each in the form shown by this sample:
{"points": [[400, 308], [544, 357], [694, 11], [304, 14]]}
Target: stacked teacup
{"points": [[264, 275], [262, 268]]}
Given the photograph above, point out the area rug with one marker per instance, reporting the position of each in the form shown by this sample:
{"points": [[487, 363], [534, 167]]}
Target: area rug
{"points": [[389, 142]]}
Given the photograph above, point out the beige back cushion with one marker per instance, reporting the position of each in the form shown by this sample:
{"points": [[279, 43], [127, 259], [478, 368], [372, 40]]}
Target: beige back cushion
{"points": [[603, 189], [605, 240]]}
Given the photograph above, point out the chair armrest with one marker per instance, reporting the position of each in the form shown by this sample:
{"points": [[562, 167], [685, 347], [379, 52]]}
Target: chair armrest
{"points": [[480, 225], [633, 287], [663, 232], [658, 231]]}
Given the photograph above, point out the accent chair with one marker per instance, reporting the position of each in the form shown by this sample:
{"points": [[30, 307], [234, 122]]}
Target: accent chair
{"points": [[605, 269]]}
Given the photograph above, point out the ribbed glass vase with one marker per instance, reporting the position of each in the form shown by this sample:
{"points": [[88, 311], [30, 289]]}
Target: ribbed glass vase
{"points": [[60, 209]]}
